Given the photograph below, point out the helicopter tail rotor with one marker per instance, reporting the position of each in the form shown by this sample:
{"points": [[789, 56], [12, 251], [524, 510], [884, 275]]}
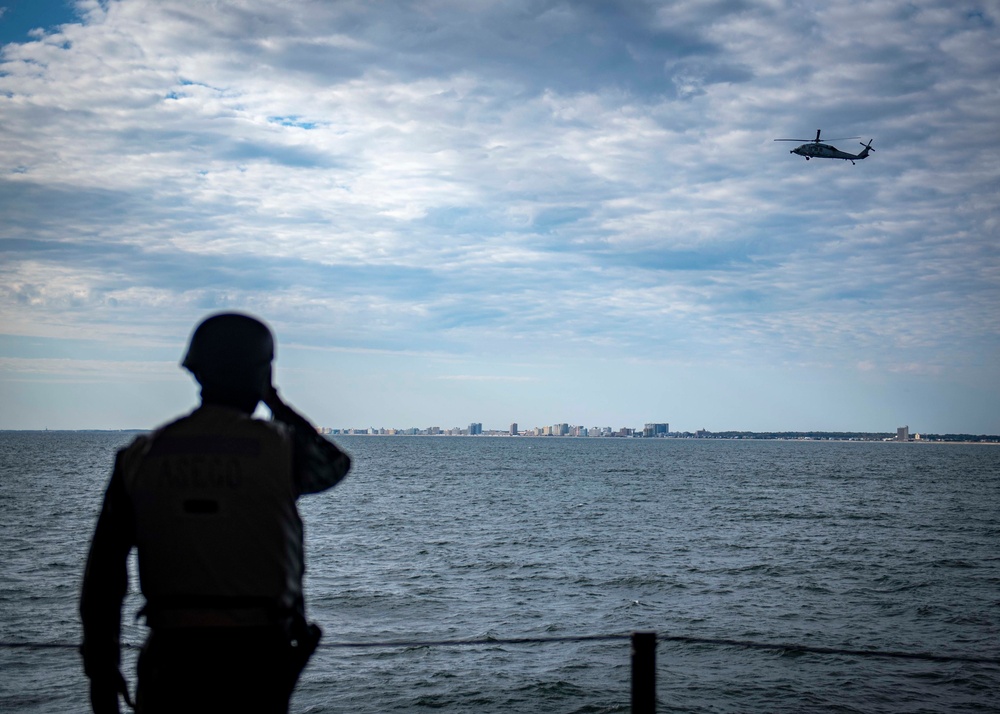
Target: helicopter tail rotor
{"points": [[868, 148]]}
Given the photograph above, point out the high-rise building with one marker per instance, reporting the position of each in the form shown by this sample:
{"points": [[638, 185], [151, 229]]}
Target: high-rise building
{"points": [[655, 430], [513, 429], [475, 428], [903, 433]]}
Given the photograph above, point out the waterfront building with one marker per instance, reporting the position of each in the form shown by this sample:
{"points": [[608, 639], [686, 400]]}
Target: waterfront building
{"points": [[513, 429], [655, 430], [903, 433]]}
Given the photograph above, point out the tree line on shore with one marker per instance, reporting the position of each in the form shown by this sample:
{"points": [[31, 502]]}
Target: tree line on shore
{"points": [[841, 436]]}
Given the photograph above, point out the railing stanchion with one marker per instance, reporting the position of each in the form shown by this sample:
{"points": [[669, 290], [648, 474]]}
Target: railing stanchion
{"points": [[643, 672]]}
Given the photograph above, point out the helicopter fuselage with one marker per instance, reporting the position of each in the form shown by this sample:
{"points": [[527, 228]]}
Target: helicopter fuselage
{"points": [[824, 151]]}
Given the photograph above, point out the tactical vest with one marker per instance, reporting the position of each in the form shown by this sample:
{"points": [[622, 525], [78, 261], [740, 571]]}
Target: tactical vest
{"points": [[215, 516]]}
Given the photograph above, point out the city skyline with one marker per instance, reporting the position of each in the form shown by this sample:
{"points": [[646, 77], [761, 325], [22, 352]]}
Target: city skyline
{"points": [[648, 430], [488, 211], [476, 428], [653, 430]]}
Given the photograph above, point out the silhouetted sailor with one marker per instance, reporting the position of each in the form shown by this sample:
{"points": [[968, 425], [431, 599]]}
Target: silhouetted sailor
{"points": [[209, 501]]}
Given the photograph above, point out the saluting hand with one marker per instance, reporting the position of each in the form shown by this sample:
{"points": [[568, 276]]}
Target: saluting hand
{"points": [[272, 401]]}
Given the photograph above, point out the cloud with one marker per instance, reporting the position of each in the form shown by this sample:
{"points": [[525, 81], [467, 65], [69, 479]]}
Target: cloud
{"points": [[81, 370]]}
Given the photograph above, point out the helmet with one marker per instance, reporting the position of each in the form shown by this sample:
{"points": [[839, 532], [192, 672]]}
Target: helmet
{"points": [[231, 352]]}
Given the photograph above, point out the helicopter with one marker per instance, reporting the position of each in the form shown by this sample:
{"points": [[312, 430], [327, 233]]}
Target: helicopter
{"points": [[814, 149]]}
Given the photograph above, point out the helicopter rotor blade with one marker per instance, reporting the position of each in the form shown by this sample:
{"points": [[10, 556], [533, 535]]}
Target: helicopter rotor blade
{"points": [[839, 138]]}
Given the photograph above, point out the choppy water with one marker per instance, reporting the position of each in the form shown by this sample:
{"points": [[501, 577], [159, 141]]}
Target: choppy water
{"points": [[853, 545]]}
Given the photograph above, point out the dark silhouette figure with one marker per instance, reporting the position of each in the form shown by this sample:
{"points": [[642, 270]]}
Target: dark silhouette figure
{"points": [[209, 502]]}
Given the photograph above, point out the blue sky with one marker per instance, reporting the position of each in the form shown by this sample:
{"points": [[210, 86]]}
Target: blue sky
{"points": [[530, 212], [19, 18]]}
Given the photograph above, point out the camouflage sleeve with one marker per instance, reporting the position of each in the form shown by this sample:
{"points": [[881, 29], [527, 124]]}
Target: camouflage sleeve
{"points": [[105, 579], [317, 462]]}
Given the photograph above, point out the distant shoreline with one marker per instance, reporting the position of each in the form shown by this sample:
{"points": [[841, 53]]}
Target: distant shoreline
{"points": [[929, 439], [870, 437], [80, 431]]}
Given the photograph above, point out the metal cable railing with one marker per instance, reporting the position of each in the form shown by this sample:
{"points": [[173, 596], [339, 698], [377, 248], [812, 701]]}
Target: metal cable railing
{"points": [[683, 639], [643, 653]]}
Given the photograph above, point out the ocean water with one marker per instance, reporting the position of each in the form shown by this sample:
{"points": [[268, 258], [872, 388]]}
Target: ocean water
{"points": [[862, 546]]}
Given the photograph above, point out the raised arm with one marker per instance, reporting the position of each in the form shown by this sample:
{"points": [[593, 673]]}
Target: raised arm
{"points": [[318, 463]]}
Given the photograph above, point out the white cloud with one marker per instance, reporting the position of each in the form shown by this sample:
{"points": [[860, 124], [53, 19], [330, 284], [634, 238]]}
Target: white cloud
{"points": [[84, 370]]}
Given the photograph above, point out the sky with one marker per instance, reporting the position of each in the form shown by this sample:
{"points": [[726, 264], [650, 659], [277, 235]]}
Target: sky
{"points": [[522, 211]]}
